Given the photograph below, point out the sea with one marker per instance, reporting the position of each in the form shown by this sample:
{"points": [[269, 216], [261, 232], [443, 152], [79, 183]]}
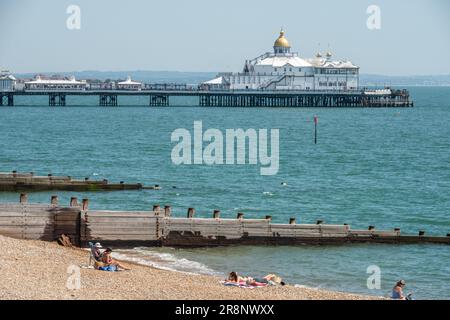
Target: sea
{"points": [[386, 167]]}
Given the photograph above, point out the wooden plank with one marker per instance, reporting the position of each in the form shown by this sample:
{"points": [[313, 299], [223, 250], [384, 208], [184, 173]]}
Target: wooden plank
{"points": [[120, 220]]}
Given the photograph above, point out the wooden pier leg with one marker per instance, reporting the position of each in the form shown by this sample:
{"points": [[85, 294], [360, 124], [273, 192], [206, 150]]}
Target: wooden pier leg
{"points": [[74, 202], [85, 204], [190, 212], [54, 200], [167, 211], [23, 198], [292, 221], [216, 214]]}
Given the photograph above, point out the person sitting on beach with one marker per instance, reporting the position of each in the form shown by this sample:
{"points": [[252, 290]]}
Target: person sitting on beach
{"points": [[108, 261], [397, 291], [96, 253]]}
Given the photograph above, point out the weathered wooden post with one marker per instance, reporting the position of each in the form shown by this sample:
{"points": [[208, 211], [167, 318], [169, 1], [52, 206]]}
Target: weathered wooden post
{"points": [[54, 200], [371, 228], [216, 214], [240, 215], [190, 212], [23, 198], [74, 202], [316, 120], [421, 233], [291, 220], [85, 204], [319, 222], [268, 218], [156, 209], [167, 211]]}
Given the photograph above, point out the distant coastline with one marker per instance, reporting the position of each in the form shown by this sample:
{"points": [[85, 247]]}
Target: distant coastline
{"points": [[198, 77]]}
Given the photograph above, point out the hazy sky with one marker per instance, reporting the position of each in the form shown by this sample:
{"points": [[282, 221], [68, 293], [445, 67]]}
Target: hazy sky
{"points": [[208, 35]]}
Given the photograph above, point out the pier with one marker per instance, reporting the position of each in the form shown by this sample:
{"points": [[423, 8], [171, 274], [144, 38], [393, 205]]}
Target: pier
{"points": [[14, 182], [157, 227], [159, 96]]}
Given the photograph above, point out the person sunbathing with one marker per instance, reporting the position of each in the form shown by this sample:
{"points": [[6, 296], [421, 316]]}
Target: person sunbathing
{"points": [[107, 260]]}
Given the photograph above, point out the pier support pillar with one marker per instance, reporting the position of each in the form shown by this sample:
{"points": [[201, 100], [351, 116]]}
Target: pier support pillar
{"points": [[56, 99], [7, 99], [107, 100], [158, 101]]}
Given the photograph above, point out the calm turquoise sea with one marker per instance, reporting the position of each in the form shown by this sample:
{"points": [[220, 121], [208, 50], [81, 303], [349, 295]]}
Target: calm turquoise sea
{"points": [[383, 167]]}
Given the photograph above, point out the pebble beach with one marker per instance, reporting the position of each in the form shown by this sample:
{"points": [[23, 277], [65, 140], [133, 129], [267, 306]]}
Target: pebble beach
{"points": [[32, 269]]}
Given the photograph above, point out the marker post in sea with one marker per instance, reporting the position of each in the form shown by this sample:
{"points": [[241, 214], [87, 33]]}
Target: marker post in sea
{"points": [[316, 120]]}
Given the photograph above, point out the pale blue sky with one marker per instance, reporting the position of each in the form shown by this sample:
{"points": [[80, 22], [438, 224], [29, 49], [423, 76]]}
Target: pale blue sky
{"points": [[207, 35]]}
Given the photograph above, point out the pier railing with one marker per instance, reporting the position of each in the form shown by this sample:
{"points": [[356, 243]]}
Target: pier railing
{"points": [[157, 227]]}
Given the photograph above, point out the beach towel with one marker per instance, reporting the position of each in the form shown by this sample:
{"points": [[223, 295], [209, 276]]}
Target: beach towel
{"points": [[108, 268], [243, 284]]}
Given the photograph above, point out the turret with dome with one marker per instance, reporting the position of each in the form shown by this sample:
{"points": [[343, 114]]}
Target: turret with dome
{"points": [[281, 45], [282, 69]]}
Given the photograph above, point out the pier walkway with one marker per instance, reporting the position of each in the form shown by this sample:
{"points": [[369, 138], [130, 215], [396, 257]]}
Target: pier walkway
{"points": [[160, 96]]}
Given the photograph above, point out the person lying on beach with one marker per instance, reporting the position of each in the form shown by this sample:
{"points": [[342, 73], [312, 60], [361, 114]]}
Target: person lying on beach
{"points": [[269, 279], [108, 262]]}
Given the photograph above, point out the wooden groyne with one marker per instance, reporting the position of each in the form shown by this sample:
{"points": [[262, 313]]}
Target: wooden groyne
{"points": [[17, 182], [157, 227]]}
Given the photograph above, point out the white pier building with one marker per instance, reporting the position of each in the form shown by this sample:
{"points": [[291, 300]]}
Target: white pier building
{"points": [[286, 70], [129, 84], [7, 81], [56, 84]]}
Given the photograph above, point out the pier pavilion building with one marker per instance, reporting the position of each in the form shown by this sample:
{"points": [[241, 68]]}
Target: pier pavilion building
{"points": [[282, 69]]}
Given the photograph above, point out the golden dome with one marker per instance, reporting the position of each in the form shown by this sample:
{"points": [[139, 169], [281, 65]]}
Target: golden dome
{"points": [[281, 41]]}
